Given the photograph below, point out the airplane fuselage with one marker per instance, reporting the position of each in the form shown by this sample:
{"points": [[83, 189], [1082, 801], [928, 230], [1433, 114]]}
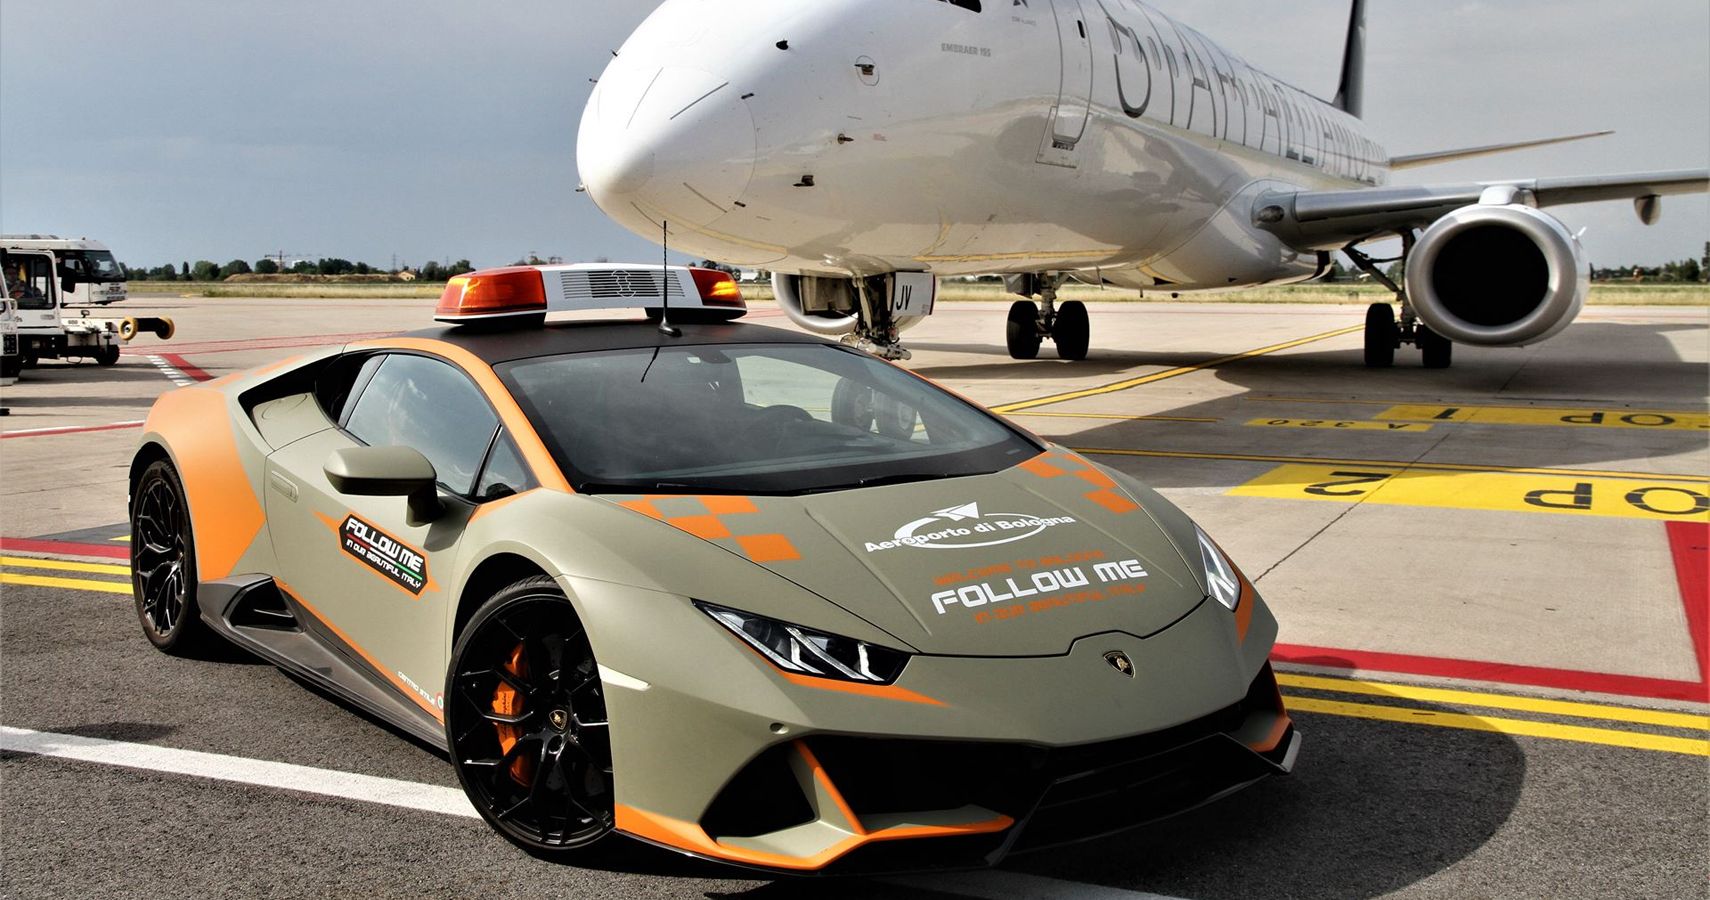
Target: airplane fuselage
{"points": [[855, 137]]}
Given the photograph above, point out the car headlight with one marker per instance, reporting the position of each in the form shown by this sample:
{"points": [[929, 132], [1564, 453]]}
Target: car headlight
{"points": [[808, 652], [1220, 578]]}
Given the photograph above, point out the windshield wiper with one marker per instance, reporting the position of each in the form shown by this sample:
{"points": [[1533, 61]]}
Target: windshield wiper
{"points": [[883, 480], [648, 487]]}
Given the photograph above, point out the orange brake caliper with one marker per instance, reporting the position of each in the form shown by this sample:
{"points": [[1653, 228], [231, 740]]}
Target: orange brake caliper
{"points": [[507, 702]]}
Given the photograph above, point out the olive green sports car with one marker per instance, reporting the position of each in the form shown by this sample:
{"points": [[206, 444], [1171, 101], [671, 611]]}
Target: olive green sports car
{"points": [[740, 592]]}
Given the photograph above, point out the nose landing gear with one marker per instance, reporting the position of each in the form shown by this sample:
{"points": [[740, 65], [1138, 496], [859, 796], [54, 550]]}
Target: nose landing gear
{"points": [[1028, 325]]}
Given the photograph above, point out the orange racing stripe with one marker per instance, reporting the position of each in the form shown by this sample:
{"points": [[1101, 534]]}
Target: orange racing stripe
{"points": [[366, 656]]}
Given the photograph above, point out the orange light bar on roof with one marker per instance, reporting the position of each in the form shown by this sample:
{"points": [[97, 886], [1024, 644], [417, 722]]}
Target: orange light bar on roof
{"points": [[717, 288], [518, 290]]}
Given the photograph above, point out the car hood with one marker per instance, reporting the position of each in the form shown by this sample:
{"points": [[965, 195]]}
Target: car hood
{"points": [[1018, 563]]}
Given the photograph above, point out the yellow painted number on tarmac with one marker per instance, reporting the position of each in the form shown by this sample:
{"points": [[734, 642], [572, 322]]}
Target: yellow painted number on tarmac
{"points": [[1659, 499], [1341, 425], [1574, 418]]}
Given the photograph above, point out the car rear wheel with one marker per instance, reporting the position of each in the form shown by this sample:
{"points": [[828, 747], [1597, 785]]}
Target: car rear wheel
{"points": [[163, 563], [526, 721]]}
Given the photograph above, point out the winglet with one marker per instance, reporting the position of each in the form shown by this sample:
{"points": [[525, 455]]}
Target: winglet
{"points": [[1426, 159], [1351, 93]]}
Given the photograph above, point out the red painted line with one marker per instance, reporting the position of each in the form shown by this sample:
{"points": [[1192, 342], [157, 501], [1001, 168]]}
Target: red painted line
{"points": [[66, 548], [1690, 544], [183, 365], [1500, 673], [69, 429]]}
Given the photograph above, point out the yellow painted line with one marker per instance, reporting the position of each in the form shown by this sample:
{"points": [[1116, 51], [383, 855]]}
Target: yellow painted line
{"points": [[1064, 415], [59, 565], [75, 584], [124, 538], [1653, 420], [1520, 727], [1115, 387], [1497, 701], [1396, 464], [1342, 425], [1657, 500]]}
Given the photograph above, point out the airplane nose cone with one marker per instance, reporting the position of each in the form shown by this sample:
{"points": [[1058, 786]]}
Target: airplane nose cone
{"points": [[668, 143]]}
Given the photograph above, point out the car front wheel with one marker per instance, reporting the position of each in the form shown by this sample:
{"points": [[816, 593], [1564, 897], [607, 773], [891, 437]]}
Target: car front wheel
{"points": [[526, 721]]}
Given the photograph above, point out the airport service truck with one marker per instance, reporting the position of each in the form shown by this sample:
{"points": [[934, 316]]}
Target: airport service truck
{"points": [[10, 360], [53, 282]]}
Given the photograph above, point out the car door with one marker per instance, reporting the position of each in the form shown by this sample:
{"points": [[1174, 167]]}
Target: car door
{"points": [[371, 581]]}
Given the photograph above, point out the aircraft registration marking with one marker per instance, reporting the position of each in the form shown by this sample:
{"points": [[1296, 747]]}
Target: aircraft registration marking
{"points": [[1529, 415], [1657, 500], [1342, 425]]}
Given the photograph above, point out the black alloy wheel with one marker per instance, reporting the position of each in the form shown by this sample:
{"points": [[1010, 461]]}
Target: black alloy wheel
{"points": [[1021, 332], [1382, 336], [1435, 351], [526, 721], [163, 562], [1071, 330]]}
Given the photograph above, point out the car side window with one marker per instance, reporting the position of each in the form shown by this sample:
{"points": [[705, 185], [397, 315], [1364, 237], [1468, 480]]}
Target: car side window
{"points": [[505, 473], [343, 381], [415, 401]]}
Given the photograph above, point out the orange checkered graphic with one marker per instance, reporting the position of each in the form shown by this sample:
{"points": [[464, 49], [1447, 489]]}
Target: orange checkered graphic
{"points": [[1105, 493], [707, 522]]}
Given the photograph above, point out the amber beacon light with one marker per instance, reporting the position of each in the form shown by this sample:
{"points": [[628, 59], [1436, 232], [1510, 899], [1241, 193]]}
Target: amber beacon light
{"points": [[518, 290]]}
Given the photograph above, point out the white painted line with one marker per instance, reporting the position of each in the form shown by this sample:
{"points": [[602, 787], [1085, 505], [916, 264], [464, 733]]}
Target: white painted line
{"points": [[172, 372], [987, 885], [131, 423], [284, 776], [996, 884]]}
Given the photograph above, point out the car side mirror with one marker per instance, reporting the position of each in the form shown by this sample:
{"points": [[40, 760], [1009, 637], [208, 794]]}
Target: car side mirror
{"points": [[67, 284], [387, 472]]}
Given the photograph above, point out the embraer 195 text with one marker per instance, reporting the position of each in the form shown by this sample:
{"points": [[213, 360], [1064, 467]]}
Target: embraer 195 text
{"points": [[861, 149]]}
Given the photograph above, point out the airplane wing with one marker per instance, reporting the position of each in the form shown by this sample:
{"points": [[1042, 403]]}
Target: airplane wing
{"points": [[1325, 220]]}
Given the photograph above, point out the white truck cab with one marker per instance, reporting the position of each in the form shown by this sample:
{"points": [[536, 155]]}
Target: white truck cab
{"points": [[10, 360], [53, 283]]}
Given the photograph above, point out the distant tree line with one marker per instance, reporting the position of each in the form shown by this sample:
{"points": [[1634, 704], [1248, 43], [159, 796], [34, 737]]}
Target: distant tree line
{"points": [[208, 270], [1686, 271]]}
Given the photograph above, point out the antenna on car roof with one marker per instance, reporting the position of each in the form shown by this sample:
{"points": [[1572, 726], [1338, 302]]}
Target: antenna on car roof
{"points": [[665, 326]]}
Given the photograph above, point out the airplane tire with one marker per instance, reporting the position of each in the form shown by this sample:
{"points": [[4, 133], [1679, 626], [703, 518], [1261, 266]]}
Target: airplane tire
{"points": [[1381, 336], [1022, 330], [1436, 351], [1071, 331]]}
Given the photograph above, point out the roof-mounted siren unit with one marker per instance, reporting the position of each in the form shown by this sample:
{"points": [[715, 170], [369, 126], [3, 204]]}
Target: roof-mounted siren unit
{"points": [[520, 296]]}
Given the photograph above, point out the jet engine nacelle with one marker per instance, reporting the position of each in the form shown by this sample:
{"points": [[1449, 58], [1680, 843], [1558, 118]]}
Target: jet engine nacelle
{"points": [[829, 306], [1497, 276]]}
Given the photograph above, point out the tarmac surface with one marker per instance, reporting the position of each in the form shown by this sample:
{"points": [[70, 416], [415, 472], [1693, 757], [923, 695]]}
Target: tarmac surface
{"points": [[1490, 581]]}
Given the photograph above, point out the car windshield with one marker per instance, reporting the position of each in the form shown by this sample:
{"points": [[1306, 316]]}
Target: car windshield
{"points": [[752, 418]]}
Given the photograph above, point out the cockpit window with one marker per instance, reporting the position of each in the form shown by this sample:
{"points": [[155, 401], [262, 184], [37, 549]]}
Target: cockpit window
{"points": [[970, 5]]}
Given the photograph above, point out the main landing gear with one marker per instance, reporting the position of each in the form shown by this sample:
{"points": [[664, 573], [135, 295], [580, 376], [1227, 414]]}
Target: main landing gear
{"points": [[1030, 324], [1385, 331]]}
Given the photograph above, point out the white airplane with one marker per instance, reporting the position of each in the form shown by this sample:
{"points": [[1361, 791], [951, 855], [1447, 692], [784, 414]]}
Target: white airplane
{"points": [[860, 149]]}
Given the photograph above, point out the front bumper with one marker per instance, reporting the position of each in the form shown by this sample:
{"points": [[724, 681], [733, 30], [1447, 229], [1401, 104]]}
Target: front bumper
{"points": [[836, 804], [964, 760]]}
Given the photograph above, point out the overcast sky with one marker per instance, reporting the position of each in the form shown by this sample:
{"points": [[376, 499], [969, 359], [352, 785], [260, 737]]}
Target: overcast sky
{"points": [[376, 129]]}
